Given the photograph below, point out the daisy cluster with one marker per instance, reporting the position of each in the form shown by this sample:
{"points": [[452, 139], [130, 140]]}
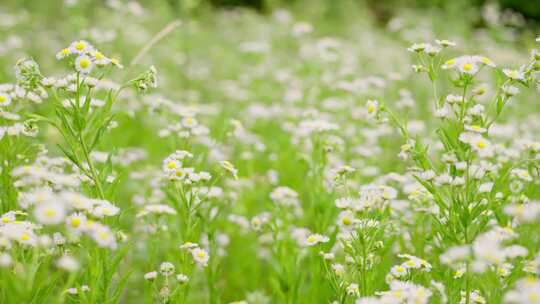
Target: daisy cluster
{"points": [[256, 159]]}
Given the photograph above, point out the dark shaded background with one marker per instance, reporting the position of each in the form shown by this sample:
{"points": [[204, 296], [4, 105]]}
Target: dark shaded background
{"points": [[528, 8]]}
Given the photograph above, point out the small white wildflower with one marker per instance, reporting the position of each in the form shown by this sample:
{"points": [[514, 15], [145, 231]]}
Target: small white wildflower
{"points": [[315, 239], [445, 43], [5, 99], [80, 47], [5, 259], [166, 268], [398, 271], [182, 278], [83, 64], [50, 213], [63, 53], [68, 263], [353, 290], [514, 74], [200, 256], [372, 107], [150, 276]]}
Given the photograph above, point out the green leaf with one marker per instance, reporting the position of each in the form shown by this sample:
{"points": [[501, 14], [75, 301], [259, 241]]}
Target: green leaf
{"points": [[70, 155], [99, 133]]}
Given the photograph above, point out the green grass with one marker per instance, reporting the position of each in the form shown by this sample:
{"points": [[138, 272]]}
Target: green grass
{"points": [[287, 115]]}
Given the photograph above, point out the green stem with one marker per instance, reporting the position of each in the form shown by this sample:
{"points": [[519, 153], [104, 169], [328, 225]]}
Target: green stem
{"points": [[93, 171]]}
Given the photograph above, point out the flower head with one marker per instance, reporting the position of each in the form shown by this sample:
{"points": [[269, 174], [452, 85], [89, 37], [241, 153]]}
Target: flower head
{"points": [[200, 256], [84, 64]]}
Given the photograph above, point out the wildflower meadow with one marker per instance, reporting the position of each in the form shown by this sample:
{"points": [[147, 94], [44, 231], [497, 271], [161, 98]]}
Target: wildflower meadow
{"points": [[338, 152]]}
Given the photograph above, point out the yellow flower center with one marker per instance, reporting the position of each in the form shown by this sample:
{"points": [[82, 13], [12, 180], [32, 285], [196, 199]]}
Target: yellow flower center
{"points": [[50, 213], [76, 222], [2, 98], [25, 237], [311, 239], [371, 109], [201, 254], [171, 165], [65, 52], [525, 174], [481, 144], [346, 220], [450, 62], [467, 67], [79, 46], [5, 219], [99, 55], [103, 235], [84, 63]]}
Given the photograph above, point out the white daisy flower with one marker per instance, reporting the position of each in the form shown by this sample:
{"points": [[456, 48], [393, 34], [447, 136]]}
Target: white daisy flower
{"points": [[189, 122], [200, 256], [63, 53], [450, 63], [485, 60], [102, 235], [182, 278], [475, 129], [514, 74], [83, 64], [50, 213], [104, 208], [166, 269], [68, 263], [5, 259], [76, 221], [418, 47], [99, 58], [5, 99], [398, 271], [315, 239], [150, 276], [372, 107], [81, 47], [467, 65], [445, 43], [481, 145]]}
